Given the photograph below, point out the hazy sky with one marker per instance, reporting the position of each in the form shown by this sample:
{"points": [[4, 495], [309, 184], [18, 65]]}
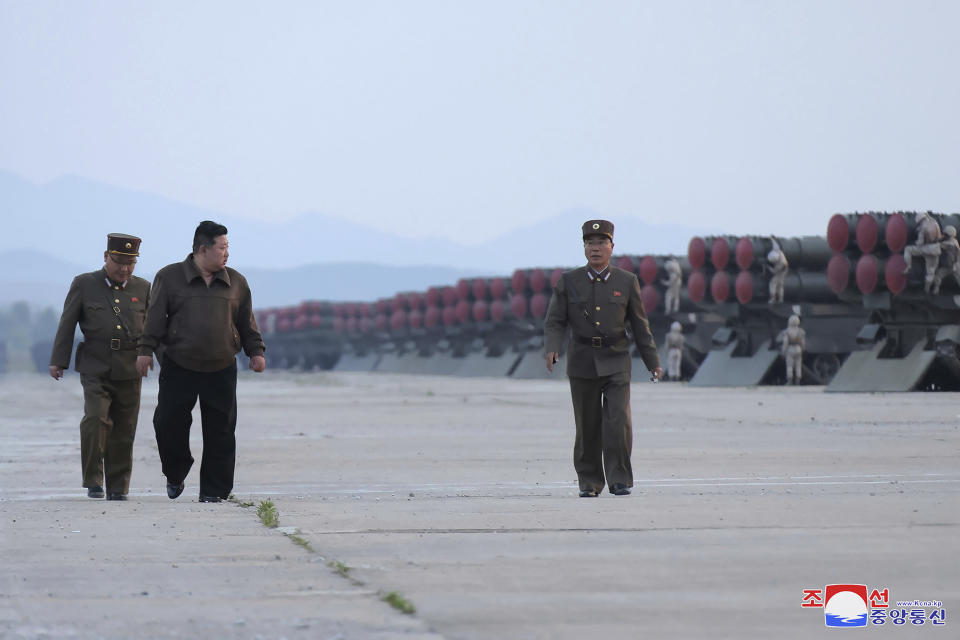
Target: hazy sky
{"points": [[472, 118]]}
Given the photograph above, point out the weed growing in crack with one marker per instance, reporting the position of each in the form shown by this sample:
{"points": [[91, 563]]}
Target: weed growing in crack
{"points": [[268, 514], [297, 540], [399, 603]]}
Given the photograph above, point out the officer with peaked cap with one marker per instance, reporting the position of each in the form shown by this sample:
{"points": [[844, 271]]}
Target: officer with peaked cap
{"points": [[110, 306], [598, 303]]}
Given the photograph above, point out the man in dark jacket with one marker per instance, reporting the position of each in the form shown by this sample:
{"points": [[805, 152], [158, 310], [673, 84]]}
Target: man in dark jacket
{"points": [[109, 305], [200, 315], [598, 302]]}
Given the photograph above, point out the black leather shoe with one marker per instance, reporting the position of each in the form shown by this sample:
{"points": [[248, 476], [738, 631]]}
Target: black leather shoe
{"points": [[204, 498], [620, 490], [95, 492], [588, 493], [174, 490], [116, 496]]}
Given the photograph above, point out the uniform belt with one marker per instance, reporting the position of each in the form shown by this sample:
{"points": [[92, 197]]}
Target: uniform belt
{"points": [[115, 345], [598, 342]]}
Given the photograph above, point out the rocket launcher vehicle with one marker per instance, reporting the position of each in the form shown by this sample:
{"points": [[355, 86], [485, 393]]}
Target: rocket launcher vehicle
{"points": [[869, 323]]}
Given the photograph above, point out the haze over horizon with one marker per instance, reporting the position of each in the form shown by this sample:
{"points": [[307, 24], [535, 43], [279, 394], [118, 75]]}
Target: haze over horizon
{"points": [[466, 121]]}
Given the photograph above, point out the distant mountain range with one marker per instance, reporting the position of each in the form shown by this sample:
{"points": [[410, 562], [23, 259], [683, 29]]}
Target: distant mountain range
{"points": [[55, 230]]}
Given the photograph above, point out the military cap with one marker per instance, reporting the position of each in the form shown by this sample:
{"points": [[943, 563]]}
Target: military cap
{"points": [[120, 244], [598, 228]]}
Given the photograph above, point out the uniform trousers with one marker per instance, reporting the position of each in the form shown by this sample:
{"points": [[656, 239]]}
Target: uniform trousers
{"points": [[604, 439], [217, 391], [794, 360], [110, 410]]}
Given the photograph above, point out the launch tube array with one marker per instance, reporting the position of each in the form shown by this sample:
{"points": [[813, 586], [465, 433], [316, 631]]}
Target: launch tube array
{"points": [[731, 269], [868, 250], [861, 253]]}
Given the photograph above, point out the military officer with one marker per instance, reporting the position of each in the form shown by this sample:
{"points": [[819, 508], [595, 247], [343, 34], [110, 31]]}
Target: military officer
{"points": [[598, 302], [110, 306]]}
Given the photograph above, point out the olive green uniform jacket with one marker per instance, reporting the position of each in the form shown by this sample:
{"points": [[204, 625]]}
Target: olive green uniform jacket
{"points": [[599, 310], [111, 319]]}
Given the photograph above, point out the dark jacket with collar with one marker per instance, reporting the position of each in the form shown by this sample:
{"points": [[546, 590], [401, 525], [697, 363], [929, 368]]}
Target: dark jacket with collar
{"points": [[601, 309], [201, 327], [111, 319]]}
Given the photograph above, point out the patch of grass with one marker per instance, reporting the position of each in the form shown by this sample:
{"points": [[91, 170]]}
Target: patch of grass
{"points": [[238, 502], [429, 393], [301, 542], [399, 603], [340, 568], [343, 570], [268, 514]]}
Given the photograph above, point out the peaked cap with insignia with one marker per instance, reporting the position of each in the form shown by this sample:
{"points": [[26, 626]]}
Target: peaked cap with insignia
{"points": [[598, 228], [121, 244]]}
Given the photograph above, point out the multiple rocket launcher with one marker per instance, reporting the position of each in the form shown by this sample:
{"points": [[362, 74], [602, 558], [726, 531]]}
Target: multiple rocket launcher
{"points": [[833, 282], [868, 251]]}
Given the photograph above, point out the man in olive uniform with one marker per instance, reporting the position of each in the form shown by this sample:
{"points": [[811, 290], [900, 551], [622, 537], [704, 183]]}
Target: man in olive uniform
{"points": [[201, 313], [598, 302], [110, 306]]}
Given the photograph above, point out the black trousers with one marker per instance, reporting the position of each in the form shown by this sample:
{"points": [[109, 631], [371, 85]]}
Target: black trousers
{"points": [[217, 391], [604, 440]]}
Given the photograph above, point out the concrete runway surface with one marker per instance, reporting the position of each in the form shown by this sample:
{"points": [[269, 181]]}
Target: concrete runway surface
{"points": [[459, 494]]}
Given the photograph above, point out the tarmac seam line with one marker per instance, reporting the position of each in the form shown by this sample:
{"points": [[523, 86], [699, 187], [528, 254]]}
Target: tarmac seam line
{"points": [[393, 599], [613, 529]]}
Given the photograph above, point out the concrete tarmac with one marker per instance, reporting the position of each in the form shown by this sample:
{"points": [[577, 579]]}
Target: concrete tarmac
{"points": [[459, 495]]}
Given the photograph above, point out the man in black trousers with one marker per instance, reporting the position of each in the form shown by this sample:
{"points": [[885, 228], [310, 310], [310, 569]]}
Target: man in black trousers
{"points": [[200, 316]]}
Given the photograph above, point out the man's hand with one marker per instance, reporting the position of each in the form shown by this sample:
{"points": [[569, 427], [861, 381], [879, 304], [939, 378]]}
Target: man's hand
{"points": [[258, 363], [656, 374], [56, 372], [552, 358], [144, 364]]}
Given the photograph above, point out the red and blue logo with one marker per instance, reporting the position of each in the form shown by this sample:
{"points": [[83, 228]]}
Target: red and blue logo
{"points": [[849, 605], [845, 605]]}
